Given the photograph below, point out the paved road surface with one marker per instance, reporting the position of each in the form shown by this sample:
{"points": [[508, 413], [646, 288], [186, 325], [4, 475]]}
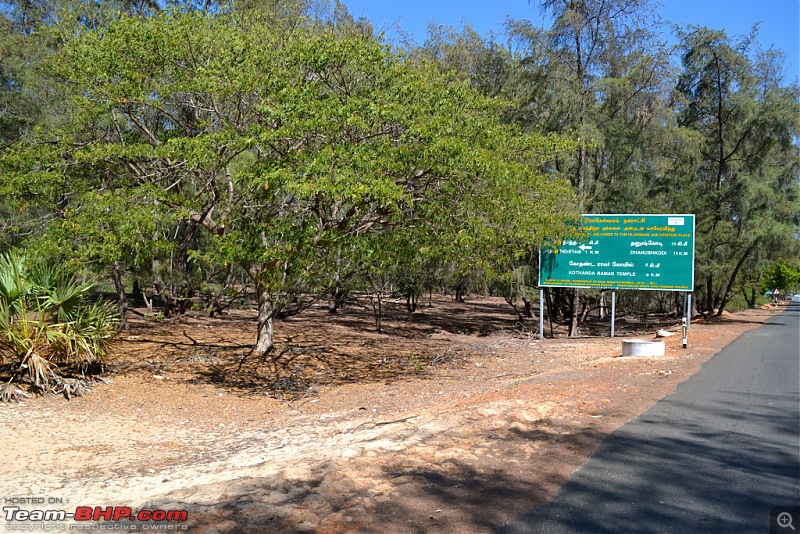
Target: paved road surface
{"points": [[715, 456]]}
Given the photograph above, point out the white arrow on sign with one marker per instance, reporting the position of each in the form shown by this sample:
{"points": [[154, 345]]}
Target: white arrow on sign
{"points": [[584, 247]]}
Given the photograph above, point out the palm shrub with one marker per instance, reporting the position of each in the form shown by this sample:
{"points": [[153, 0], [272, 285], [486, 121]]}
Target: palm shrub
{"points": [[49, 330]]}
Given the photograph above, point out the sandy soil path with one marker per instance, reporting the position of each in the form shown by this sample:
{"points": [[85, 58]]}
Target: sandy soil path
{"points": [[462, 447]]}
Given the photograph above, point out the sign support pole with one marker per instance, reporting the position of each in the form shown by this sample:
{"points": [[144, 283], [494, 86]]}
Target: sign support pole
{"points": [[613, 310], [687, 315], [689, 309], [541, 313]]}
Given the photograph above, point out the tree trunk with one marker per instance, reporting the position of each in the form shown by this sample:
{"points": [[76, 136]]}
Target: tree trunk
{"points": [[602, 303], [510, 301], [709, 305], [377, 309], [333, 303], [116, 274], [461, 288], [584, 312], [147, 302], [729, 289], [168, 301], [574, 316], [411, 301], [266, 314], [559, 304], [581, 170], [750, 297]]}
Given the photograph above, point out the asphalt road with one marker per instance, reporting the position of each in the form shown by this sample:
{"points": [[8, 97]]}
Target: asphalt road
{"points": [[716, 456]]}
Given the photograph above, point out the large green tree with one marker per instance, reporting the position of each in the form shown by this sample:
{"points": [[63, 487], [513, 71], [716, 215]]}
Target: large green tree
{"points": [[286, 144], [743, 185], [596, 71]]}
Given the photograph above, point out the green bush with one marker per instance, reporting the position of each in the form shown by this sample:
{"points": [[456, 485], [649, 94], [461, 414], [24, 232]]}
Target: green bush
{"points": [[49, 329]]}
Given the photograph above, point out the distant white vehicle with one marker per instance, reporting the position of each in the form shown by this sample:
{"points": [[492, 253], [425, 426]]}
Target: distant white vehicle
{"points": [[796, 298]]}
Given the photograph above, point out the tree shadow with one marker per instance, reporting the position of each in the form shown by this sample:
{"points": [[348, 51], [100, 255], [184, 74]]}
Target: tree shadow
{"points": [[437, 497], [456, 495], [318, 348], [694, 479]]}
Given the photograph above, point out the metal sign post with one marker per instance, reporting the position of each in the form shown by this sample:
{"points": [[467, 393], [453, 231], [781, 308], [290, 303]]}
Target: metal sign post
{"points": [[684, 327], [541, 314], [687, 317]]}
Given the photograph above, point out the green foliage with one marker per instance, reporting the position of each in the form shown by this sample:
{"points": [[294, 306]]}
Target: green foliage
{"points": [[299, 150], [743, 184], [47, 325], [280, 148], [13, 287], [781, 275]]}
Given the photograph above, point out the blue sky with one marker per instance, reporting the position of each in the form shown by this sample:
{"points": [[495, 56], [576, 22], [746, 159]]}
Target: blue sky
{"points": [[780, 19]]}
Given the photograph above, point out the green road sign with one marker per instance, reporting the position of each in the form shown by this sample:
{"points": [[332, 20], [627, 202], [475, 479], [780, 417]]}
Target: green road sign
{"points": [[624, 252]]}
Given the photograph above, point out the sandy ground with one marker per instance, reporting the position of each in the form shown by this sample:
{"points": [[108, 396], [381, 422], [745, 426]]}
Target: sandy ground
{"points": [[437, 425]]}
